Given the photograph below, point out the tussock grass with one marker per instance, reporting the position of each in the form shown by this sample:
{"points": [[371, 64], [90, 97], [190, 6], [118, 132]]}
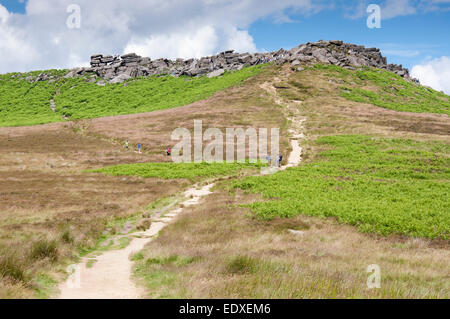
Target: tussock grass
{"points": [[67, 237], [12, 268], [241, 265], [44, 248]]}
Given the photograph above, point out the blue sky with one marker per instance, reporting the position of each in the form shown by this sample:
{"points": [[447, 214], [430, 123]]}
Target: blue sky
{"points": [[413, 33], [406, 40], [17, 6]]}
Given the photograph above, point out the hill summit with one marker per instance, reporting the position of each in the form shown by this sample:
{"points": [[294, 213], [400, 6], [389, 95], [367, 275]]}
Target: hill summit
{"points": [[120, 68]]}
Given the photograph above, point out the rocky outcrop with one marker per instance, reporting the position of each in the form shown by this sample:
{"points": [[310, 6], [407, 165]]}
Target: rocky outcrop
{"points": [[116, 69]]}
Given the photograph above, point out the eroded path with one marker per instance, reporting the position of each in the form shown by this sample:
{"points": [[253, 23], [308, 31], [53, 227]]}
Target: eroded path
{"points": [[110, 276], [292, 112]]}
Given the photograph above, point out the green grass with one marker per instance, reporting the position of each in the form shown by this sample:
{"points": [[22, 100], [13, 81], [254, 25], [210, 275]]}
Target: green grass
{"points": [[163, 271], [387, 90], [23, 103], [386, 186], [191, 171], [45, 286]]}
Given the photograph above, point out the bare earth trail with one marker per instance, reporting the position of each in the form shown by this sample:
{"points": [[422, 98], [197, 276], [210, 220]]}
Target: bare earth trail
{"points": [[110, 276], [293, 114]]}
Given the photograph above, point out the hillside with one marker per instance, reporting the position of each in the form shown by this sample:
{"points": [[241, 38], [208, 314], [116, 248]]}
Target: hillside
{"points": [[372, 185], [131, 84], [25, 102]]}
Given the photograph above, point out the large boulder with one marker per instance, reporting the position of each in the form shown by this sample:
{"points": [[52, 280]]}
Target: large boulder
{"points": [[320, 54], [120, 78], [215, 73]]}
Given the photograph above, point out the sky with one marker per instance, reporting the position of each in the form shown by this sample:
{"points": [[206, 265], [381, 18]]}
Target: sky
{"points": [[44, 34]]}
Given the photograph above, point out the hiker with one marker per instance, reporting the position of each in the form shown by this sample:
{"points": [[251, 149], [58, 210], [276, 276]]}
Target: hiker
{"points": [[169, 151], [280, 158], [126, 145], [139, 148], [268, 160]]}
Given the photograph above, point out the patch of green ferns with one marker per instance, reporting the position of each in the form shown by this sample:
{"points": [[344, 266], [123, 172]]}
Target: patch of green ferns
{"points": [[392, 91], [386, 186], [170, 170], [24, 103]]}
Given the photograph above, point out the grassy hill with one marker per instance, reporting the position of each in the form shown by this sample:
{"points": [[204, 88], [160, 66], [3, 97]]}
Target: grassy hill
{"points": [[388, 90], [372, 186], [28, 103]]}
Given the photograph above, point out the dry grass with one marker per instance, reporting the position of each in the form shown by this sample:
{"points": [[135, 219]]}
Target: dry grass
{"points": [[241, 106], [51, 207], [329, 114], [229, 255]]}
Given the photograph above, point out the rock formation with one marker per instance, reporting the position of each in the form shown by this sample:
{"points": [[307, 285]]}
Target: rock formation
{"points": [[116, 69]]}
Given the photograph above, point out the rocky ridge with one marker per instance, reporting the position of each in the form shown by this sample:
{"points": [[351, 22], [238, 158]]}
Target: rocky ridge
{"points": [[117, 69]]}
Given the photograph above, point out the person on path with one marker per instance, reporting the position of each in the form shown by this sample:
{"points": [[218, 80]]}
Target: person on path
{"points": [[169, 151], [126, 145], [280, 159], [139, 148]]}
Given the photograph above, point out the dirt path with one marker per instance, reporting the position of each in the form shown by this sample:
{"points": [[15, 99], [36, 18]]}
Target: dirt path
{"points": [[110, 276], [292, 112]]}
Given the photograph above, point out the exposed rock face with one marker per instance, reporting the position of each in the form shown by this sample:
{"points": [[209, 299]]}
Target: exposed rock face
{"points": [[117, 69], [215, 73]]}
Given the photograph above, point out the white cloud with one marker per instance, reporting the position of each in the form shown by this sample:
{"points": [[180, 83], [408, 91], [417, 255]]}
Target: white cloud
{"points": [[13, 46], [193, 44], [395, 8], [40, 38], [389, 8], [434, 73], [4, 15], [239, 40]]}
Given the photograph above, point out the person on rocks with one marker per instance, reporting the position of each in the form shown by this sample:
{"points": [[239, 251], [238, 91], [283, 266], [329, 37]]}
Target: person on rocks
{"points": [[139, 148], [126, 145], [168, 151]]}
